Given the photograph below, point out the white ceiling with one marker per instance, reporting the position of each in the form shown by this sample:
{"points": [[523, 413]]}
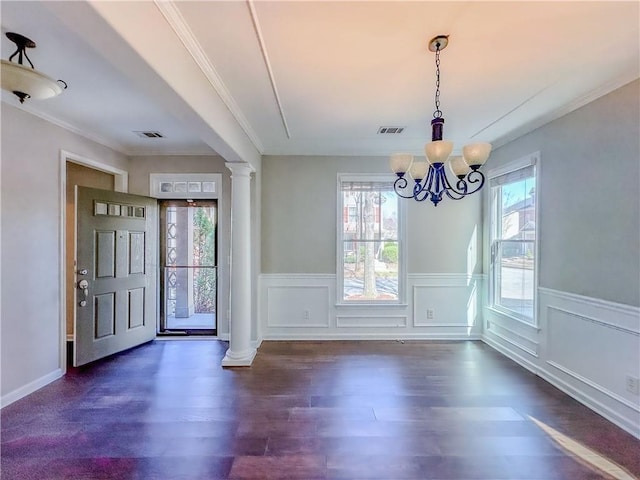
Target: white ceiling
{"points": [[320, 77]]}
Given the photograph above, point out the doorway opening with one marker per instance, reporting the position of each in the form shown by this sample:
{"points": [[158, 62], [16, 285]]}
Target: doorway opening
{"points": [[84, 176], [118, 181], [188, 267]]}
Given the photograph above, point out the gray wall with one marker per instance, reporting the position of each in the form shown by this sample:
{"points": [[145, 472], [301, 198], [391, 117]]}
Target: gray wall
{"points": [[589, 197], [30, 324], [299, 208]]}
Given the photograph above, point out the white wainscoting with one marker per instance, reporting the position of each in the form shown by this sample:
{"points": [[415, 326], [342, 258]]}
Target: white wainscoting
{"points": [[304, 307], [584, 346]]}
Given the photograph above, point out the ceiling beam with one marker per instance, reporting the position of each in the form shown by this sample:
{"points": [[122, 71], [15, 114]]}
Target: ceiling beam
{"points": [[137, 39]]}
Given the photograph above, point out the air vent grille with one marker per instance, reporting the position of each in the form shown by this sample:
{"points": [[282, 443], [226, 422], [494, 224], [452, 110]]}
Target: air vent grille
{"points": [[149, 134], [390, 130]]}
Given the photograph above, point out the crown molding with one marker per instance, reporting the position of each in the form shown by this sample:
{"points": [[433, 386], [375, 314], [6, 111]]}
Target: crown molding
{"points": [[129, 151], [179, 25], [70, 127], [589, 97], [137, 151]]}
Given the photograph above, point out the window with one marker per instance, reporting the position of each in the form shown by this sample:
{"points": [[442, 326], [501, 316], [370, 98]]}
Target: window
{"points": [[369, 240], [513, 197]]}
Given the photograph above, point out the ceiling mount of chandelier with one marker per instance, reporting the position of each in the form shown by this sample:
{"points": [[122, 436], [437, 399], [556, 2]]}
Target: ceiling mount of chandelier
{"points": [[24, 81], [430, 177]]}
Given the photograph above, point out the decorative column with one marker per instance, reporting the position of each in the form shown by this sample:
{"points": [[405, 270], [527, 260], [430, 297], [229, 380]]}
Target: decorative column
{"points": [[240, 353]]}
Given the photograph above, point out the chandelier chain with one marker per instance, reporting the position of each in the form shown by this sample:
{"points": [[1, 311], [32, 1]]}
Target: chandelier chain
{"points": [[438, 112]]}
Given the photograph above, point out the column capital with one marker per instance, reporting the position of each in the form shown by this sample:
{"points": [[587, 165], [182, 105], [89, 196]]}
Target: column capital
{"points": [[240, 169]]}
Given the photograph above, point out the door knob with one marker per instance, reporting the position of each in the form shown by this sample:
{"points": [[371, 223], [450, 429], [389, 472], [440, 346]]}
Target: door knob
{"points": [[84, 286]]}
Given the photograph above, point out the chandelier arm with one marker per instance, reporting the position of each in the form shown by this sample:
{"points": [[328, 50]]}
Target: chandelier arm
{"points": [[459, 191], [476, 176], [462, 186], [439, 187], [400, 185], [422, 190]]}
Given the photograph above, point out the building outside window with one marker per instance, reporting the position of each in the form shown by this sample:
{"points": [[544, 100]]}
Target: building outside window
{"points": [[369, 240], [513, 237]]}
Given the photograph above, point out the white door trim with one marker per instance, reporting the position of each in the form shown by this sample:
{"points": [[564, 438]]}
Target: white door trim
{"points": [[121, 184]]}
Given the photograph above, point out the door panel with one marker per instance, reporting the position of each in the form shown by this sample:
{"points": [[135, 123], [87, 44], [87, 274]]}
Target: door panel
{"points": [[116, 307], [106, 254], [86, 177]]}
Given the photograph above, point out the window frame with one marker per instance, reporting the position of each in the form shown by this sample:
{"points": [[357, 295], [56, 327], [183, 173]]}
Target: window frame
{"points": [[401, 241], [493, 209]]}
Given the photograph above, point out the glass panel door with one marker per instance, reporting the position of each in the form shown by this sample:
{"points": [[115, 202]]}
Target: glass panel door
{"points": [[188, 266]]}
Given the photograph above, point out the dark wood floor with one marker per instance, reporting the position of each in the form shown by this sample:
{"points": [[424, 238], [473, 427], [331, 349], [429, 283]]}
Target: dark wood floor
{"points": [[308, 410]]}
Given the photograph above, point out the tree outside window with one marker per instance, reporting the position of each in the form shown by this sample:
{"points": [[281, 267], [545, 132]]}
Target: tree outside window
{"points": [[369, 244]]}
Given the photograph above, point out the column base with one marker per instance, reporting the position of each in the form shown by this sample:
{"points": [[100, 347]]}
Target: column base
{"points": [[243, 360]]}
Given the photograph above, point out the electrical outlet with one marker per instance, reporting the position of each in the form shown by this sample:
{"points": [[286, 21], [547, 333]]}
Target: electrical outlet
{"points": [[307, 314], [633, 384], [429, 314]]}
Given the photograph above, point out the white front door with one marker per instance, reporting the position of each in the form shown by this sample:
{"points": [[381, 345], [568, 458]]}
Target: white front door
{"points": [[115, 299]]}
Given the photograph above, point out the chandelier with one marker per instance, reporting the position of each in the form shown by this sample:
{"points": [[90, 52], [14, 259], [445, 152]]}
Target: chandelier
{"points": [[25, 82], [430, 177]]}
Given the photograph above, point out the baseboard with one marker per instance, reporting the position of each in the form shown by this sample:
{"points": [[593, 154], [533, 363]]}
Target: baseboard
{"points": [[255, 344], [611, 415], [30, 387], [614, 417], [507, 352], [371, 336]]}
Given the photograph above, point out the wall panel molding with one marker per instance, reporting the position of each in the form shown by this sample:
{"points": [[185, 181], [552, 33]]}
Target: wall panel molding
{"points": [[287, 299], [298, 306], [599, 321], [627, 420], [621, 307], [585, 346], [520, 341], [371, 321], [594, 385], [505, 350]]}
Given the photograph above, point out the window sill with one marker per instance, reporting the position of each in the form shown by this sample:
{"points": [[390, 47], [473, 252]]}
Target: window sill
{"points": [[371, 304], [510, 316]]}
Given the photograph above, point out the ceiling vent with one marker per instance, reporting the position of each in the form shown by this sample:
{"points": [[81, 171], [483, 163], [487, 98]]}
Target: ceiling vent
{"points": [[149, 134], [392, 130]]}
